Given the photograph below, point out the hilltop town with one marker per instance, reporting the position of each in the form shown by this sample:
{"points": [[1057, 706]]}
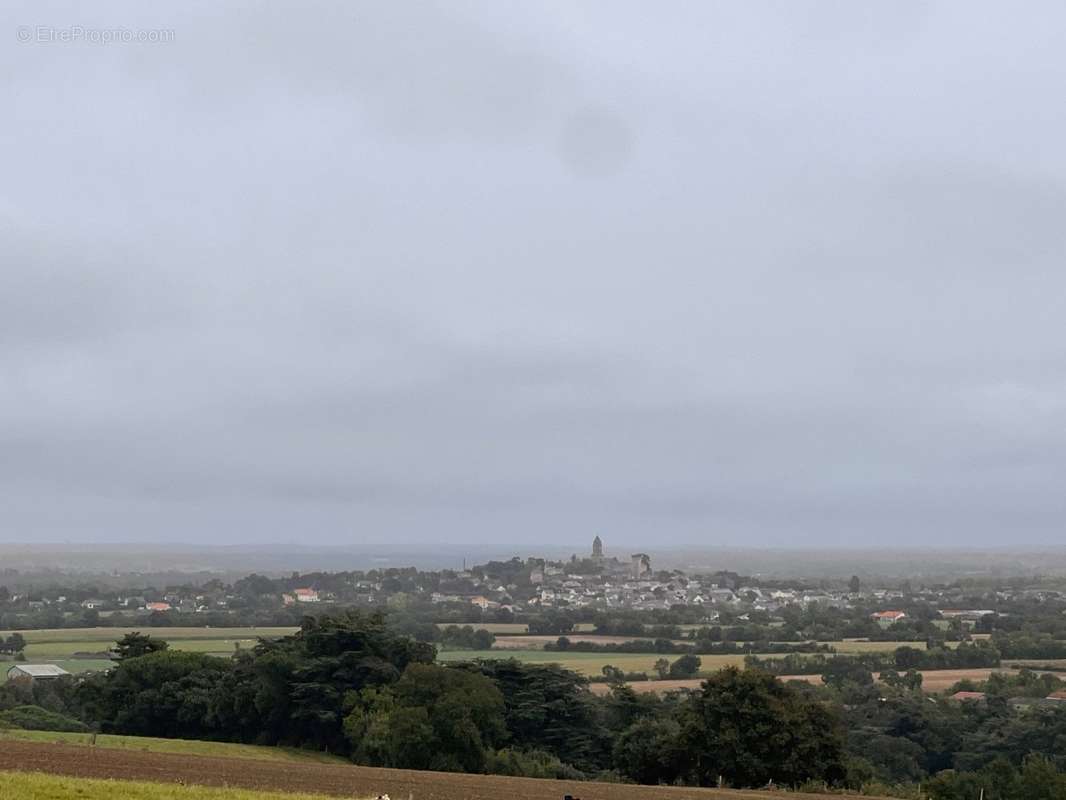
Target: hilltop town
{"points": [[502, 591], [614, 646]]}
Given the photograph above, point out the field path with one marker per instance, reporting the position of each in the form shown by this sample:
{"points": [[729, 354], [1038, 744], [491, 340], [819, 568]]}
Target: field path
{"points": [[337, 780]]}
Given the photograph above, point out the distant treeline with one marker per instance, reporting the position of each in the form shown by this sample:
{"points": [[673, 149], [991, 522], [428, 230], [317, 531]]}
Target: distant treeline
{"points": [[1029, 645], [668, 647], [965, 656], [238, 618]]}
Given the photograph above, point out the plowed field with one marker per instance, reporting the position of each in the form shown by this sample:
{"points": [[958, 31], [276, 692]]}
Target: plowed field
{"points": [[337, 780], [933, 680]]}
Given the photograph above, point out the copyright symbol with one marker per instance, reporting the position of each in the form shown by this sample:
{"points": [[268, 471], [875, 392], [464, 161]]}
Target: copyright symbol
{"points": [[25, 33]]}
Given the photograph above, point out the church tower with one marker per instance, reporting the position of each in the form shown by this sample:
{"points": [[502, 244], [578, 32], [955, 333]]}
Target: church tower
{"points": [[597, 548]]}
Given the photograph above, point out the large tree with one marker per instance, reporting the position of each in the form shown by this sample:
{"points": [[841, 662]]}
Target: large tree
{"points": [[650, 751], [300, 682], [686, 666], [550, 708], [749, 729], [434, 717], [165, 693], [137, 644]]}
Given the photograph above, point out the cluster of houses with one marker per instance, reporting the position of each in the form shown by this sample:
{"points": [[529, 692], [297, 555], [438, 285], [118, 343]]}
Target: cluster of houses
{"points": [[1053, 700], [593, 581], [190, 603], [631, 583], [640, 594]]}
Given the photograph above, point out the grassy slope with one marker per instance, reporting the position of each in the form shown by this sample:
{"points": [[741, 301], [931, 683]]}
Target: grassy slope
{"points": [[34, 786], [178, 746]]}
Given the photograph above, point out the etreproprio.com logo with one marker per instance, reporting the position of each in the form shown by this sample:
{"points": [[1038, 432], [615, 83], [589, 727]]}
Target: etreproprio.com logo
{"points": [[76, 34]]}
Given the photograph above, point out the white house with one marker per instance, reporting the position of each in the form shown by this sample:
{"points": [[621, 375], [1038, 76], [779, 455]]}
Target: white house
{"points": [[306, 596]]}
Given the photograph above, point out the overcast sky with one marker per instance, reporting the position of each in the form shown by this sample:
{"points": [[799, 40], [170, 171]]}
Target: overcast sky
{"points": [[678, 274]]}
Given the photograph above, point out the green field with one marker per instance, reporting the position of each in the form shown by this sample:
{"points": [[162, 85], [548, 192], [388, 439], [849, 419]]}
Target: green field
{"points": [[492, 627], [180, 746], [593, 663], [89, 636], [56, 646], [589, 663], [49, 651], [35, 786]]}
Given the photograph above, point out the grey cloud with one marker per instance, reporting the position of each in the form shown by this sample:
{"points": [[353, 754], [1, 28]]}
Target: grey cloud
{"points": [[717, 275]]}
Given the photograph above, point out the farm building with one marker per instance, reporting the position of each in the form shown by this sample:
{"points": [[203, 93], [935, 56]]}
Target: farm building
{"points": [[886, 618], [35, 672]]}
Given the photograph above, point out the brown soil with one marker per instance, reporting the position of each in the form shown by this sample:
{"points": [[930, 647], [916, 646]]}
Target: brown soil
{"points": [[933, 680], [937, 680], [338, 780]]}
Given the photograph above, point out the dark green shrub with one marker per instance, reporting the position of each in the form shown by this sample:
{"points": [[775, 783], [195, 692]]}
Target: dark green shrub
{"points": [[35, 718]]}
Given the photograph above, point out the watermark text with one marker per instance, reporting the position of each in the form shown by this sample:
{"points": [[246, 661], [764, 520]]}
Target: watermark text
{"points": [[84, 34]]}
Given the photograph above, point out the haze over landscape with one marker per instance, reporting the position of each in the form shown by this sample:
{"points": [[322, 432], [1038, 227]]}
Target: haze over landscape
{"points": [[778, 275]]}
